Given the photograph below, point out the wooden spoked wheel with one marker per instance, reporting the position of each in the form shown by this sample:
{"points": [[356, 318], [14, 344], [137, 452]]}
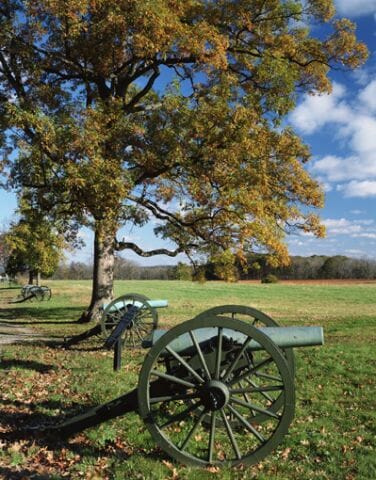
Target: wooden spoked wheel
{"points": [[145, 321], [44, 293], [197, 397], [257, 319], [254, 317]]}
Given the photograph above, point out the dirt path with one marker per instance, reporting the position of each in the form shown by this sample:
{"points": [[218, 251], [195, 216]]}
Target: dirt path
{"points": [[13, 333]]}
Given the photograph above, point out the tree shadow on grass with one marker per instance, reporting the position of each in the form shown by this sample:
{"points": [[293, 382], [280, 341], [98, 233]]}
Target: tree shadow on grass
{"points": [[21, 474], [33, 428], [42, 316], [6, 364]]}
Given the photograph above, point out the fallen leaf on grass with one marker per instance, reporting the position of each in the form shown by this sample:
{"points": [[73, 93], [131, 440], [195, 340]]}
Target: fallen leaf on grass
{"points": [[213, 469], [285, 454]]}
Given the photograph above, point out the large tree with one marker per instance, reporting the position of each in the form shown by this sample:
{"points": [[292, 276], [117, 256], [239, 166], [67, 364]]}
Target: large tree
{"points": [[168, 110]]}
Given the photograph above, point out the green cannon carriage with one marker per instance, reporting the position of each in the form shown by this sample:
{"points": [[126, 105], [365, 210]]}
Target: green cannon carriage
{"points": [[144, 320], [33, 292], [213, 390]]}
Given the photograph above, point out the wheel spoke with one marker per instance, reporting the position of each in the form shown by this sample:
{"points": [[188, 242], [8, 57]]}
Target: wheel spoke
{"points": [[200, 354], [247, 424], [219, 353], [269, 377], [143, 313], [137, 331], [120, 310], [254, 407], [252, 370], [173, 379], [180, 416], [231, 436], [236, 360], [263, 390], [212, 436], [132, 338], [185, 364], [256, 389], [169, 398], [193, 429]]}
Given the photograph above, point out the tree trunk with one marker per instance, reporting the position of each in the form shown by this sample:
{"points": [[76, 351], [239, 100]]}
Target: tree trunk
{"points": [[37, 278], [31, 277], [103, 275]]}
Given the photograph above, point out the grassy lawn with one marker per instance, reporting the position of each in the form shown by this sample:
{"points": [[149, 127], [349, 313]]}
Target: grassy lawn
{"points": [[332, 436]]}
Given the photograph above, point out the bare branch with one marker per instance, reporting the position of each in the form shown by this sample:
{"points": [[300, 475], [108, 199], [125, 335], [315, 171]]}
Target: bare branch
{"points": [[150, 253], [144, 91]]}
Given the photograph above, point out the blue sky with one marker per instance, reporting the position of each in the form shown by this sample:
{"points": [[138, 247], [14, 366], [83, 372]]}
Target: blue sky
{"points": [[341, 131]]}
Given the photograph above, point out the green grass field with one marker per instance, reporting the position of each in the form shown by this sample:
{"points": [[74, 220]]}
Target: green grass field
{"points": [[332, 436]]}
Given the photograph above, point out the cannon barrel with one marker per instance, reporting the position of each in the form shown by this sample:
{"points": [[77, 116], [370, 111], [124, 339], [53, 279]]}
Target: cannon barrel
{"points": [[152, 303], [284, 337]]}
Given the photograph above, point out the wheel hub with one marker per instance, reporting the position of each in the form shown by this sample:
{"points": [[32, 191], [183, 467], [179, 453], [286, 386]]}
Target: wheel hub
{"points": [[214, 395]]}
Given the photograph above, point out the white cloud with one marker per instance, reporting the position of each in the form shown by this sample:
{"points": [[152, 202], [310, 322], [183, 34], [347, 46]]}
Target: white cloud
{"points": [[368, 96], [356, 8], [366, 222], [366, 235], [353, 123], [355, 252], [339, 169], [351, 228], [316, 111], [366, 188], [362, 133], [341, 226]]}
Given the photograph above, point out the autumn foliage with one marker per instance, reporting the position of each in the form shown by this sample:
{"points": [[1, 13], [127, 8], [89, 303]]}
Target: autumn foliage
{"points": [[168, 111]]}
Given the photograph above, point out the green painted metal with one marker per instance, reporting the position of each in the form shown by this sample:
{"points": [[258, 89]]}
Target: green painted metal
{"points": [[144, 322], [211, 417], [213, 390], [283, 337], [34, 292], [249, 315], [152, 303]]}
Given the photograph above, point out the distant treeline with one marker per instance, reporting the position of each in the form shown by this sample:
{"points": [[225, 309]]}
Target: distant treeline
{"points": [[301, 268], [313, 267], [124, 270]]}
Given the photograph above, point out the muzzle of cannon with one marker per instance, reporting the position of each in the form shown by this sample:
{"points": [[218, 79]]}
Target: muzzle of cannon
{"points": [[214, 390]]}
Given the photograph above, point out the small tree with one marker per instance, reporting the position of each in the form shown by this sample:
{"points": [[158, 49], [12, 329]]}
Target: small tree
{"points": [[34, 246], [183, 271]]}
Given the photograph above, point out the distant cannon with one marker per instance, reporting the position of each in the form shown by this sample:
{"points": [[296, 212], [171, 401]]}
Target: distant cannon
{"points": [[134, 328], [144, 319], [213, 390], [33, 292]]}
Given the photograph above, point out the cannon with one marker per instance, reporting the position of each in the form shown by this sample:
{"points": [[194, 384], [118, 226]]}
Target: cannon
{"points": [[213, 390], [33, 292], [144, 320], [134, 328]]}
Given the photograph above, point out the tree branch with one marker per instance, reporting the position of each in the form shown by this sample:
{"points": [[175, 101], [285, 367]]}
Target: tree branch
{"points": [[144, 91], [150, 253]]}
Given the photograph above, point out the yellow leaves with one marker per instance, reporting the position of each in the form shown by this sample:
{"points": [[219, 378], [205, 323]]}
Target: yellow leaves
{"points": [[323, 9], [343, 45], [224, 265]]}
